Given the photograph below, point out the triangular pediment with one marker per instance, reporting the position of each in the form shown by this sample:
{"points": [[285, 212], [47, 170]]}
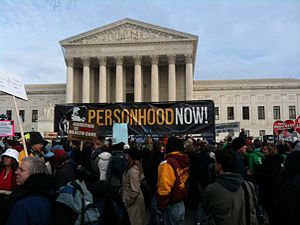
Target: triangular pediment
{"points": [[126, 31]]}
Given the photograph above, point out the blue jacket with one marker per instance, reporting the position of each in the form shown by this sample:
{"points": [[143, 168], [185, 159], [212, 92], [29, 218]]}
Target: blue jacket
{"points": [[31, 203], [31, 210]]}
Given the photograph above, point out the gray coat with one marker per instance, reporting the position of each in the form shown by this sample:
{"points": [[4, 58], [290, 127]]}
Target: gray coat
{"points": [[224, 201], [132, 195]]}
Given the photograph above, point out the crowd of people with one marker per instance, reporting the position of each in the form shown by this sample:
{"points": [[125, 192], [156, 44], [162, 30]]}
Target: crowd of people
{"points": [[238, 181]]}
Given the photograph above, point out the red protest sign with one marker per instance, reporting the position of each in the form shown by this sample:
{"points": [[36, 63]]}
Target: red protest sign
{"points": [[297, 124], [278, 125]]}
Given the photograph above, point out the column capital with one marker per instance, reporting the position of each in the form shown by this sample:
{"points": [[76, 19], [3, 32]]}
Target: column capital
{"points": [[70, 61], [119, 60], [102, 60], [188, 58], [85, 61], [137, 59], [171, 59], [154, 59]]}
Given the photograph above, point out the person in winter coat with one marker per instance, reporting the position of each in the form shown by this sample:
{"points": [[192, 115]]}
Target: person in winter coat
{"points": [[289, 192], [36, 144], [266, 177], [173, 174], [32, 203], [8, 166], [64, 169], [132, 195], [151, 160], [239, 148], [224, 200], [103, 160]]}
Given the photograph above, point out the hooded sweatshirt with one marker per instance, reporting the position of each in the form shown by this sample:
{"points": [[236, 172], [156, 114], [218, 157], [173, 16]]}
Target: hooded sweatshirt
{"points": [[173, 174], [224, 200]]}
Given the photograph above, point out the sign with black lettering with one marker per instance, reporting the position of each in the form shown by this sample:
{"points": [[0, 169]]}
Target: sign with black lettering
{"points": [[166, 118], [82, 131], [7, 128]]}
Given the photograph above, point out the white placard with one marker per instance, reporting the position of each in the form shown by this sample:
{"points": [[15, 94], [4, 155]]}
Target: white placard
{"points": [[12, 84]]}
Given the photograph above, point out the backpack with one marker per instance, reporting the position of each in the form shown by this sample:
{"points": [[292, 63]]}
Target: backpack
{"points": [[118, 164], [75, 200]]}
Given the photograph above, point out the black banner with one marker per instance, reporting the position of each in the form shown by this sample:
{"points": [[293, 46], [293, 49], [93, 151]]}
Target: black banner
{"points": [[165, 118]]}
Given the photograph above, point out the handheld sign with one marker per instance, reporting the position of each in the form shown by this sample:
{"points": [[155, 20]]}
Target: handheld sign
{"points": [[12, 84], [7, 128], [120, 133]]}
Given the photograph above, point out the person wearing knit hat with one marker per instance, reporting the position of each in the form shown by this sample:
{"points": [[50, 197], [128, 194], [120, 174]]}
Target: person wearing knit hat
{"points": [[173, 174], [36, 144], [132, 195], [8, 166], [239, 144], [239, 149], [64, 169], [174, 144]]}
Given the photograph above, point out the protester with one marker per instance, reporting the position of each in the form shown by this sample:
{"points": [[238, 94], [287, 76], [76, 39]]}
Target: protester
{"points": [[225, 200], [35, 147], [8, 166], [239, 149], [151, 160], [266, 177], [173, 174], [289, 194], [32, 203], [103, 160], [64, 169], [132, 195], [97, 148]]}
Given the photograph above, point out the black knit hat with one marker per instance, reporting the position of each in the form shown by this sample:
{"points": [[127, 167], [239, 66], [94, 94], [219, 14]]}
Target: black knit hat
{"points": [[134, 153], [174, 144], [238, 143], [36, 138]]}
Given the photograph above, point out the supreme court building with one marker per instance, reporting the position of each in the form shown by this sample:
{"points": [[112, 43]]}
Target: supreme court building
{"points": [[133, 61], [130, 61]]}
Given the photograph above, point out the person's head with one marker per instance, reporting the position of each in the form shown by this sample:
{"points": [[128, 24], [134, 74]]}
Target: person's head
{"points": [[157, 146], [133, 156], [10, 158], [239, 144], [37, 142], [269, 150], [225, 161], [257, 143], [98, 142], [174, 144], [29, 166]]}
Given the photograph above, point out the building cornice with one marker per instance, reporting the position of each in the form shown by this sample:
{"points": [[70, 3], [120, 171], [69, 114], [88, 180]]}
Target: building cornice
{"points": [[246, 84]]}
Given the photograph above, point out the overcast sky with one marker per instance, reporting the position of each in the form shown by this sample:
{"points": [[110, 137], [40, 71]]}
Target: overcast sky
{"points": [[237, 39]]}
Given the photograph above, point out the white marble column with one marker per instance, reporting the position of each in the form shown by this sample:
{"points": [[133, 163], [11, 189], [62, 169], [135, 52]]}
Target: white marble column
{"points": [[137, 79], [86, 80], [70, 80], [172, 77], [102, 80], [119, 78], [188, 77], [154, 78]]}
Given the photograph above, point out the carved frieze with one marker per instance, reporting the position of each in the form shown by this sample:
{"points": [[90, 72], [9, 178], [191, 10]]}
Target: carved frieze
{"points": [[127, 32]]}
